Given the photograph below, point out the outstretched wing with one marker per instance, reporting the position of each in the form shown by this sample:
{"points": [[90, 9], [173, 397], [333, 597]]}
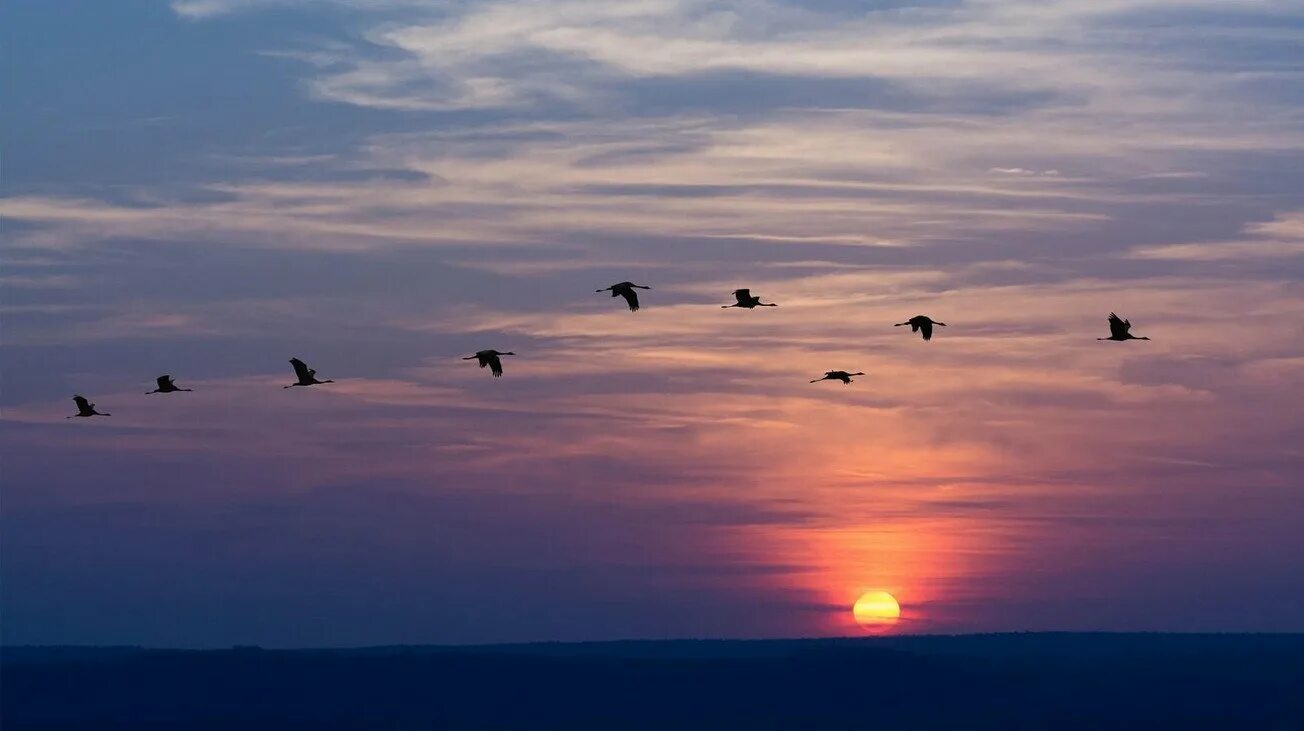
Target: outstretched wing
{"points": [[301, 369], [630, 296], [164, 382], [743, 296], [926, 327], [82, 404], [1118, 327], [495, 365]]}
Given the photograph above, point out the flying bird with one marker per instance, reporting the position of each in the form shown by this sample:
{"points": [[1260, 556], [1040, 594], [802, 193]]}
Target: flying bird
{"points": [[922, 324], [626, 290], [837, 376], [1119, 329], [85, 408], [747, 301], [307, 376], [165, 385], [490, 358]]}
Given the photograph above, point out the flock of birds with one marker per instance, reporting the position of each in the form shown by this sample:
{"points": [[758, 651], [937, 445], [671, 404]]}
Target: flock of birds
{"points": [[1119, 330]]}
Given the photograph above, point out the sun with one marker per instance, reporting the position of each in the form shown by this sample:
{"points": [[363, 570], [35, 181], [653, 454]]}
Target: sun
{"points": [[876, 610]]}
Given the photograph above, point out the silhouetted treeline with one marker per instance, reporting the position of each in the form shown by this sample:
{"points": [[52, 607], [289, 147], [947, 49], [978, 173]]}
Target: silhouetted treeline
{"points": [[1060, 681]]}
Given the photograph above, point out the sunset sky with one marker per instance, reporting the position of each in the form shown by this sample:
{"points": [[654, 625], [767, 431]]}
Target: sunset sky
{"points": [[206, 188]]}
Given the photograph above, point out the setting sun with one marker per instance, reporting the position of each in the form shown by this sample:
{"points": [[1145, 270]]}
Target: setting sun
{"points": [[877, 609]]}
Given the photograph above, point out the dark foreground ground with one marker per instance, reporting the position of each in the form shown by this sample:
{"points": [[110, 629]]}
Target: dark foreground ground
{"points": [[1026, 681]]}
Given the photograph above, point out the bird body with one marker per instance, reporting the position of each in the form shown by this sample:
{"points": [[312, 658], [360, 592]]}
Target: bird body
{"points": [[1120, 329], [837, 376], [922, 324], [165, 385], [85, 408], [489, 358], [747, 301], [307, 376], [626, 290]]}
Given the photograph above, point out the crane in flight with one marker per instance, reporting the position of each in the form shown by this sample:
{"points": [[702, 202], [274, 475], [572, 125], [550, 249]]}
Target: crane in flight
{"points": [[837, 376], [166, 385], [747, 301], [84, 408], [1120, 329], [626, 290], [922, 324], [490, 358], [307, 376]]}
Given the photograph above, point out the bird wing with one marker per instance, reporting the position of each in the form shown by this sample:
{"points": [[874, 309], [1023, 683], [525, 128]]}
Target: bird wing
{"points": [[630, 296], [926, 327], [82, 403], [1118, 327], [743, 295], [495, 365], [301, 369], [164, 381]]}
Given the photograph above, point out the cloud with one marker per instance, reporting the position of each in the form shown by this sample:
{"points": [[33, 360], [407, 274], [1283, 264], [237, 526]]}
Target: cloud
{"points": [[1282, 237], [55, 281], [1022, 171], [578, 132], [575, 54], [206, 9]]}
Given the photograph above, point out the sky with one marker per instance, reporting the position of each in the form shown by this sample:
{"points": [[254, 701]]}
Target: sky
{"points": [[206, 188]]}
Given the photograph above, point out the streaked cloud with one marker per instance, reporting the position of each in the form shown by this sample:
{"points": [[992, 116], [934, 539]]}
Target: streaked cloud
{"points": [[1282, 237]]}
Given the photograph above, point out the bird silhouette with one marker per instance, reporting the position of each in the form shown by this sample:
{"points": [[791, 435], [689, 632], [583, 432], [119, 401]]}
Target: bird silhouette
{"points": [[837, 376], [626, 290], [307, 376], [747, 301], [165, 385], [922, 324], [85, 408], [490, 358], [1119, 329]]}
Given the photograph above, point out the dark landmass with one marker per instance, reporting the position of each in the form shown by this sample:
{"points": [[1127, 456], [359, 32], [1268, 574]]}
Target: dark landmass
{"points": [[1009, 681]]}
